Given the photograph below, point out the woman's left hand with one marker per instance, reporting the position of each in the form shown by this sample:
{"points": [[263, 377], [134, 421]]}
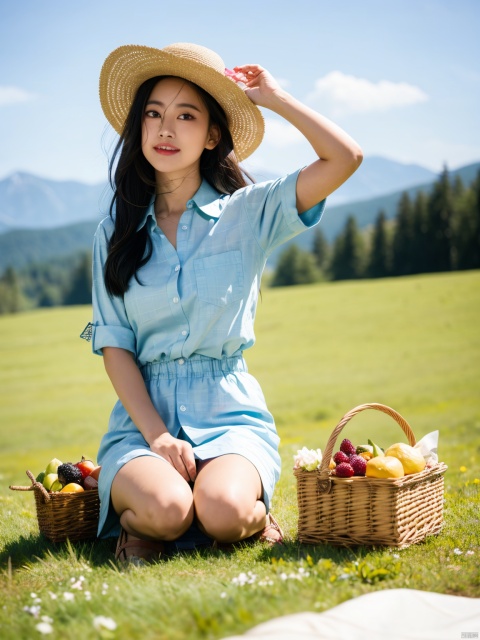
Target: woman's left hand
{"points": [[260, 85]]}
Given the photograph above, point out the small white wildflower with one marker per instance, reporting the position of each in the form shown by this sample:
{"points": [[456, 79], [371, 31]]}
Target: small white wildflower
{"points": [[457, 551], [33, 595], [344, 576], [82, 578], [69, 597], [396, 556], [105, 586], [52, 595], [46, 619], [102, 622], [88, 595], [44, 628], [469, 553], [33, 610], [77, 585], [223, 594], [283, 576], [308, 459]]}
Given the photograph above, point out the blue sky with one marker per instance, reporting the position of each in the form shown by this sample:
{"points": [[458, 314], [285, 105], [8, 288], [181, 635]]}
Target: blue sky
{"points": [[402, 78]]}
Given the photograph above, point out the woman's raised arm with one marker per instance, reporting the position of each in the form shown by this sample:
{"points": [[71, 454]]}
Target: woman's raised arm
{"points": [[339, 155]]}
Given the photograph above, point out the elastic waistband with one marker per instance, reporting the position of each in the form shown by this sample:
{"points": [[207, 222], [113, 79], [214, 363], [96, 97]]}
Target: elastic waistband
{"points": [[195, 366]]}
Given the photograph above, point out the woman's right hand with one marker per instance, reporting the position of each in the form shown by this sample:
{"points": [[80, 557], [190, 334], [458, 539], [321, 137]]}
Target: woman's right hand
{"points": [[178, 452]]}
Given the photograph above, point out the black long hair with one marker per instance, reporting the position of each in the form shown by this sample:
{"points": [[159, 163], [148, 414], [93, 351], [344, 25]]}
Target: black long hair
{"points": [[133, 183]]}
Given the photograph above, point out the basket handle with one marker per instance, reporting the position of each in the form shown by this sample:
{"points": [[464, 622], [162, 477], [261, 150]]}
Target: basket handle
{"points": [[35, 486], [327, 454]]}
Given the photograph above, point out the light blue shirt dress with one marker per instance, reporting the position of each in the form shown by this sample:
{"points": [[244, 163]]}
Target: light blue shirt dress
{"points": [[188, 323]]}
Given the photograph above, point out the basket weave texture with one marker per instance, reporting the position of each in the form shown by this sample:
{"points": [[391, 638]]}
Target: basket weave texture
{"points": [[396, 512], [63, 516]]}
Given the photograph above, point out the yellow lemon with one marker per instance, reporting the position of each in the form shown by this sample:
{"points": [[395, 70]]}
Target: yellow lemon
{"points": [[411, 459], [72, 487], [384, 467]]}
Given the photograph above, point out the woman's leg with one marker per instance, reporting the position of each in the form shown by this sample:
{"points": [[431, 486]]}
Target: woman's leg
{"points": [[227, 497], [152, 499]]}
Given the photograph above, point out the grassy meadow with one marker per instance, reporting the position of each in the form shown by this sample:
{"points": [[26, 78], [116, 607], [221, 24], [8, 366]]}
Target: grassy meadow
{"points": [[411, 343]]}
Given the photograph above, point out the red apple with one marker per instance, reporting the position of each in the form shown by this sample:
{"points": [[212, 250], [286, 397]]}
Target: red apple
{"points": [[86, 467], [95, 473]]}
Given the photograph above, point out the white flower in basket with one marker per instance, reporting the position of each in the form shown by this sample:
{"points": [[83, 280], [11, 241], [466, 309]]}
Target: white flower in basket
{"points": [[308, 459]]}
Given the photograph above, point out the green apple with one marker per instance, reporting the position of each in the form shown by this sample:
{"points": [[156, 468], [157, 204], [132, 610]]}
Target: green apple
{"points": [[50, 480], [52, 466], [40, 477], [56, 486]]}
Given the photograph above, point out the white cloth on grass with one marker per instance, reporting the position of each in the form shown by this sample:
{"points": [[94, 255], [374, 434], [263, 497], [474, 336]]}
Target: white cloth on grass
{"points": [[393, 614]]}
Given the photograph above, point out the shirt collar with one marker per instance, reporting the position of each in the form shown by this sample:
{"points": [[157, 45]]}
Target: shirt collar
{"points": [[207, 202]]}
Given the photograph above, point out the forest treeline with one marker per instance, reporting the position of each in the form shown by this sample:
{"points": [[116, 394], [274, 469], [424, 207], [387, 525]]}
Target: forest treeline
{"points": [[435, 231]]}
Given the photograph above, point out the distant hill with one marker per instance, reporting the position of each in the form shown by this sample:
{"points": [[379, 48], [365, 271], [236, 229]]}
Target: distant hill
{"points": [[379, 176], [21, 247], [31, 202], [366, 211]]}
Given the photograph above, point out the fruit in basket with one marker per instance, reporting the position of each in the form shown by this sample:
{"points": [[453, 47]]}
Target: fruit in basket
{"points": [[91, 481], [364, 448], [72, 487], [347, 447], [85, 466], [51, 482], [344, 470], [41, 477], [358, 464], [411, 458], [384, 467], [340, 457], [68, 472], [377, 451], [52, 466]]}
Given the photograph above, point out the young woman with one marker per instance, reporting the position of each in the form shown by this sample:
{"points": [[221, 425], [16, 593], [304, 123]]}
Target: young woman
{"points": [[177, 271]]}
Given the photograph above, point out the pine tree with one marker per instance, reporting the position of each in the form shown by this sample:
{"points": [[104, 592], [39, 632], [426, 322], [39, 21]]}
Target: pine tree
{"points": [[402, 257], [466, 228], [11, 297], [419, 235], [379, 260], [295, 266], [320, 249], [348, 253], [80, 289], [439, 221]]}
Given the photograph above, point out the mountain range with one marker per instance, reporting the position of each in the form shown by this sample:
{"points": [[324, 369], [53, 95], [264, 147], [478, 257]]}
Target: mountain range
{"points": [[42, 219]]}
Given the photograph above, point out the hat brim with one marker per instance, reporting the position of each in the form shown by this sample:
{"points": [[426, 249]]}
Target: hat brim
{"points": [[127, 67]]}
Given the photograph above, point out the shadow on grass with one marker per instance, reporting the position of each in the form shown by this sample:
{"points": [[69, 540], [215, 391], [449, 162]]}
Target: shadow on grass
{"points": [[36, 548], [293, 551]]}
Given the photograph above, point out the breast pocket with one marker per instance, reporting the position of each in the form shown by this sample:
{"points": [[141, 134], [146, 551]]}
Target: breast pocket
{"points": [[219, 278]]}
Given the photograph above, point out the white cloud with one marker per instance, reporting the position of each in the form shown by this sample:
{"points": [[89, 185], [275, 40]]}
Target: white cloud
{"points": [[342, 94], [14, 95], [280, 134]]}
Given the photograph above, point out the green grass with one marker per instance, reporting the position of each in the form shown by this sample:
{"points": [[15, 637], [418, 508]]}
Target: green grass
{"points": [[411, 343]]}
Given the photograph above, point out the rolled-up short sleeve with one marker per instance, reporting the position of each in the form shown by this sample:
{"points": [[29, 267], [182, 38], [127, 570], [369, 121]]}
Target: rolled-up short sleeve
{"points": [[272, 210], [111, 327]]}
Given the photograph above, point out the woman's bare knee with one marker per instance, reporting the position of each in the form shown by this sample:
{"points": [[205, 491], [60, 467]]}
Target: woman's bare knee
{"points": [[152, 499]]}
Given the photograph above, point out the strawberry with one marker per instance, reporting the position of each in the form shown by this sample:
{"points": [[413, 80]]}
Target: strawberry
{"points": [[340, 457], [347, 447], [358, 464], [344, 470]]}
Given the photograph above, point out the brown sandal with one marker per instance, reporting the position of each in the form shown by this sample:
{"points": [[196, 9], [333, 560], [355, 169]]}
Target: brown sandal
{"points": [[137, 552], [272, 534]]}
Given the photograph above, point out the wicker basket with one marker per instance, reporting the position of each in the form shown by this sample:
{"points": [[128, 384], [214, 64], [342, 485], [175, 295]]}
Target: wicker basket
{"points": [[396, 512], [65, 515]]}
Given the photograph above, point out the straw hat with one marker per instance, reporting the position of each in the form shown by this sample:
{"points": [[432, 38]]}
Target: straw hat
{"points": [[127, 67]]}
